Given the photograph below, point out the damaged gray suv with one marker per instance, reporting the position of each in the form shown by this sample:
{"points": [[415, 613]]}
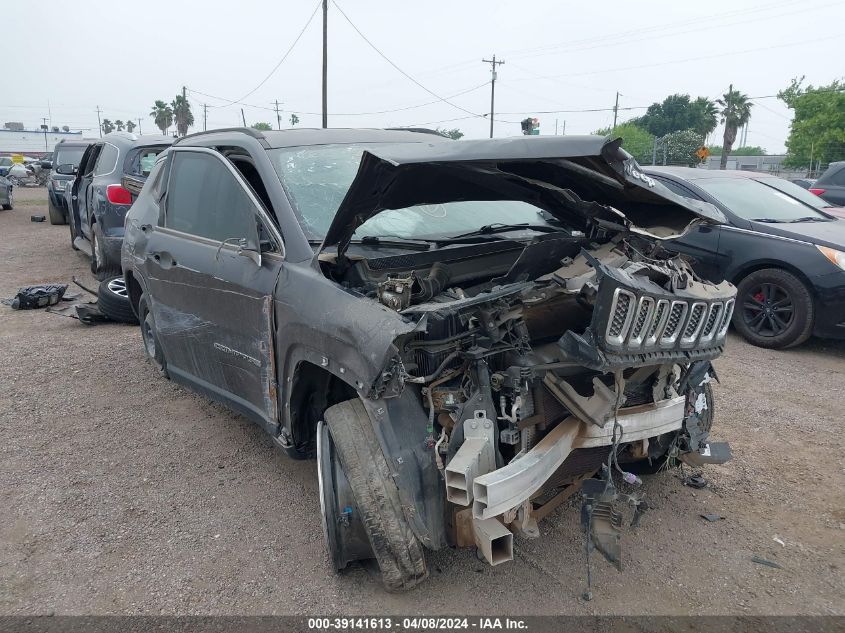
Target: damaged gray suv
{"points": [[461, 332]]}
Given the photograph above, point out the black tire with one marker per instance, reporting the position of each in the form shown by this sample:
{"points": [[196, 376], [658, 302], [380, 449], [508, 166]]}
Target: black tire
{"points": [[398, 552], [57, 216], [774, 309], [113, 300], [149, 336], [11, 205]]}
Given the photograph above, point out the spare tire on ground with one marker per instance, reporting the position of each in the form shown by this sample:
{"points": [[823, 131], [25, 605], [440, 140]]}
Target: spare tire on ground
{"points": [[113, 300]]}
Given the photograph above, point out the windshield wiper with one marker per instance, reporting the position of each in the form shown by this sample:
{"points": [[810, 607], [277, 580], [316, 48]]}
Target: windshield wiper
{"points": [[810, 218], [768, 220], [490, 229], [401, 242]]}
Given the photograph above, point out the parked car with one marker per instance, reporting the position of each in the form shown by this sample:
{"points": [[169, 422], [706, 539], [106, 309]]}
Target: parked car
{"points": [[804, 183], [6, 196], [457, 330], [781, 247], [830, 186], [97, 201], [67, 154], [11, 170]]}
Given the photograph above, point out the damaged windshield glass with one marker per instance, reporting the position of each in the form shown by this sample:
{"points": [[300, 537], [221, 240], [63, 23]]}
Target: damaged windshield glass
{"points": [[317, 179]]}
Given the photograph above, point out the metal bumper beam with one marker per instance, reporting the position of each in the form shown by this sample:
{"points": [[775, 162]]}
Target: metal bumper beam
{"points": [[506, 488]]}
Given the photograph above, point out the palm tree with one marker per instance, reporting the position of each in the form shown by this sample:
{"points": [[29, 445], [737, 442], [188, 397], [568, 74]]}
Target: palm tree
{"points": [[108, 126], [130, 125], [706, 116], [182, 114], [736, 111], [162, 114], [118, 124]]}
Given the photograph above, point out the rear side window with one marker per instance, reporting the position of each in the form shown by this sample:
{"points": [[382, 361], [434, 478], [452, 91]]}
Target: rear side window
{"points": [[205, 199], [140, 162], [838, 178], [107, 160]]}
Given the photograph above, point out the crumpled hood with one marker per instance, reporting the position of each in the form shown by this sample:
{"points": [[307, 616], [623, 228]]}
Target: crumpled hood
{"points": [[580, 180]]}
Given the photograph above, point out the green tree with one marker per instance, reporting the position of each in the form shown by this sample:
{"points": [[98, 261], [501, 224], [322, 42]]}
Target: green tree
{"points": [[678, 112], [736, 112], [680, 148], [262, 126], [108, 126], [294, 119], [817, 131], [66, 128], [162, 115], [118, 124], [130, 125], [454, 133], [705, 116], [635, 140], [182, 115]]}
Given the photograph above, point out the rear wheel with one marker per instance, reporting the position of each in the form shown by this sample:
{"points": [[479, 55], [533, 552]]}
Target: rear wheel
{"points": [[57, 216], [774, 309], [149, 335], [11, 204], [359, 499]]}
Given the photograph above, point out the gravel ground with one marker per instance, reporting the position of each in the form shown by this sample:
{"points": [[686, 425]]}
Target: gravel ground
{"points": [[124, 493]]}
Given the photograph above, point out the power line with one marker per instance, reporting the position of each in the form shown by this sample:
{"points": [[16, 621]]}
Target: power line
{"points": [[281, 61], [649, 32], [402, 72], [689, 59]]}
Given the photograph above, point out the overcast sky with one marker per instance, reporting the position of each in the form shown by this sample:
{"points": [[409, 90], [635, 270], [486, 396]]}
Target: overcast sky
{"points": [[559, 55]]}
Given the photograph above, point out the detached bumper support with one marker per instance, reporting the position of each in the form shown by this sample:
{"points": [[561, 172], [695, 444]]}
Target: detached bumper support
{"points": [[503, 489]]}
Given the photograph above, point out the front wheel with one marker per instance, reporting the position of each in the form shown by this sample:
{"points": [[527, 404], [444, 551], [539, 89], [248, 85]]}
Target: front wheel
{"points": [[774, 309], [11, 204], [57, 216], [359, 473]]}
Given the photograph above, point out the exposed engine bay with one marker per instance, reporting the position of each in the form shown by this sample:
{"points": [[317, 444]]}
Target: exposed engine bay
{"points": [[512, 340], [540, 358]]}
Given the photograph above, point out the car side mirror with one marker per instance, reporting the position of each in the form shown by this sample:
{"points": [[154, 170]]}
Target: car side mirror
{"points": [[67, 169], [46, 164]]}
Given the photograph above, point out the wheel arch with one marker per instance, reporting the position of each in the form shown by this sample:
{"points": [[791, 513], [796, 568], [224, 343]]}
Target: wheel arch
{"points": [[135, 289], [752, 267], [313, 389]]}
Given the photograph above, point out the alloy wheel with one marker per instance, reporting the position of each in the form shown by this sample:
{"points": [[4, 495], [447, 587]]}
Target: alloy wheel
{"points": [[118, 287], [768, 309]]}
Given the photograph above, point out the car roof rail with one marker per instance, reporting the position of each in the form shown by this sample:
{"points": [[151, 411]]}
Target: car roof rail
{"points": [[245, 130]]}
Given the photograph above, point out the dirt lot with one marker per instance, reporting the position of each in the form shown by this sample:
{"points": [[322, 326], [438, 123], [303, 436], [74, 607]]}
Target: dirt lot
{"points": [[123, 493]]}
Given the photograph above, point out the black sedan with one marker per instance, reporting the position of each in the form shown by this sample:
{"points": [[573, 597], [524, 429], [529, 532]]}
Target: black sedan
{"points": [[782, 248], [6, 200]]}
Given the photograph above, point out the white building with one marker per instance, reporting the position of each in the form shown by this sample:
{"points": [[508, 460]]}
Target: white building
{"points": [[32, 142]]}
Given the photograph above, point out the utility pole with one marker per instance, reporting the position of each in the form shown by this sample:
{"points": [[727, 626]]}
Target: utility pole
{"points": [[99, 123], [139, 126], [615, 111], [563, 133], [278, 116], [204, 116], [493, 64], [325, 63], [44, 127], [243, 118]]}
